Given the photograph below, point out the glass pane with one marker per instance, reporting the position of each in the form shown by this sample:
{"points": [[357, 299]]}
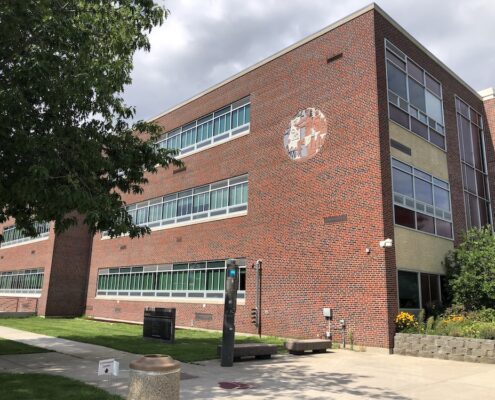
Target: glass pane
{"points": [[483, 207], [473, 211], [442, 198], [404, 217], [425, 223], [399, 116], [465, 133], [419, 128], [481, 184], [444, 228], [417, 95], [408, 289], [402, 183], [395, 59], [469, 178], [396, 80], [424, 191], [437, 139], [415, 71], [434, 107], [433, 85], [476, 147]]}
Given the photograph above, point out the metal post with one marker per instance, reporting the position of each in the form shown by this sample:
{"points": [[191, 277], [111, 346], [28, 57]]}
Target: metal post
{"points": [[228, 338], [257, 267]]}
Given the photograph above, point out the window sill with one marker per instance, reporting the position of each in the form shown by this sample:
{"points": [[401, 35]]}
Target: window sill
{"points": [[191, 222], [167, 299], [214, 144], [39, 239], [32, 295]]}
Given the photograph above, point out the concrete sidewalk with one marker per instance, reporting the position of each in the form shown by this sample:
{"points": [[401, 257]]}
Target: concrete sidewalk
{"points": [[335, 375]]}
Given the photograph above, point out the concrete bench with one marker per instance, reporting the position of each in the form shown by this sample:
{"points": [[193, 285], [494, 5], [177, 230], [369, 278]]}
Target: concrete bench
{"points": [[298, 347], [256, 350]]}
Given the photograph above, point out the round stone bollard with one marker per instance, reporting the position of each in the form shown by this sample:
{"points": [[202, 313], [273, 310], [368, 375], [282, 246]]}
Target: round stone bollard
{"points": [[154, 377]]}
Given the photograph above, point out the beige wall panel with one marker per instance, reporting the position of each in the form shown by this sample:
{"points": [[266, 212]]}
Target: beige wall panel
{"points": [[424, 155], [420, 252]]}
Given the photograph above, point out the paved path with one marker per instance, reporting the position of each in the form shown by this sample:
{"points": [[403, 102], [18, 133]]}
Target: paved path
{"points": [[334, 375]]}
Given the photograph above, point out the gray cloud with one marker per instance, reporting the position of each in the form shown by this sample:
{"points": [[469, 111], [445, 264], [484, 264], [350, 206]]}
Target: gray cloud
{"points": [[205, 42]]}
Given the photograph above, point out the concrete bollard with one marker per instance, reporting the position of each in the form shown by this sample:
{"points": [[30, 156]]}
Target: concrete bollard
{"points": [[154, 377]]}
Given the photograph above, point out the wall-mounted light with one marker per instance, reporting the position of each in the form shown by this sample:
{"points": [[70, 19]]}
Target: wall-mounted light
{"points": [[386, 243]]}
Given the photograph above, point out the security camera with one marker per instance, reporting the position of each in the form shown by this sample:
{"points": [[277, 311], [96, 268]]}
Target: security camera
{"points": [[386, 243]]}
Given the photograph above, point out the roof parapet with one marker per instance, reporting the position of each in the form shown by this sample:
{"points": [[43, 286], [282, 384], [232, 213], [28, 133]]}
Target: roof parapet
{"points": [[487, 94]]}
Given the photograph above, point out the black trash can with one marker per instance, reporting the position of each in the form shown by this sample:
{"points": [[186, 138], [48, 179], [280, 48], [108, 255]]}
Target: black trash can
{"points": [[159, 323]]}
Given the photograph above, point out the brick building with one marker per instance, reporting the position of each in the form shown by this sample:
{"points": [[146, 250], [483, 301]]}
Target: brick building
{"points": [[307, 161], [47, 275]]}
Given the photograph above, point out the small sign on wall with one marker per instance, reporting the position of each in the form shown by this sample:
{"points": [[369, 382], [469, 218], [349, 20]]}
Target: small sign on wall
{"points": [[108, 367]]}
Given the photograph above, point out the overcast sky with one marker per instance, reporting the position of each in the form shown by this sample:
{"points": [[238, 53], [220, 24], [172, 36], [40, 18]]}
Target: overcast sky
{"points": [[205, 41]]}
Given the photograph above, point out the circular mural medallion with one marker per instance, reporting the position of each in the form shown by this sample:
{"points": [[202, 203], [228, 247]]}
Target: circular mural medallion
{"points": [[306, 134]]}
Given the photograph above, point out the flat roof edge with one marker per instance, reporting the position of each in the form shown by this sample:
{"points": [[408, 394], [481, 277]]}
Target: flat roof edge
{"points": [[487, 94], [371, 6]]}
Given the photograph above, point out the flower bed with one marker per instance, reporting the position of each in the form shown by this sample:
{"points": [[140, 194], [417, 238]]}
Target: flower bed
{"points": [[455, 335]]}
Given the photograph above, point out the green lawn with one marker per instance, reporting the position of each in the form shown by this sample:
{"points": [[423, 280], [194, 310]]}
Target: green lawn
{"points": [[10, 347], [190, 345], [48, 387]]}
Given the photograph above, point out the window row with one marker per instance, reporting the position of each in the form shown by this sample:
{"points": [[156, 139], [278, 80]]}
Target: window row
{"points": [[419, 290], [12, 235], [219, 198], [415, 97], [204, 279], [219, 125], [22, 281], [421, 201], [473, 164]]}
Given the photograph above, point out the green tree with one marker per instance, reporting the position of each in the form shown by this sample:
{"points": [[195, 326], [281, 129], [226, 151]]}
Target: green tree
{"points": [[471, 270], [66, 143]]}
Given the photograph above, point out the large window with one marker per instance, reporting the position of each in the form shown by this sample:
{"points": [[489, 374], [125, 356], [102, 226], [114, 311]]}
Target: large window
{"points": [[202, 279], [25, 281], [421, 201], [12, 235], [415, 97], [419, 290], [473, 164], [216, 199], [212, 128]]}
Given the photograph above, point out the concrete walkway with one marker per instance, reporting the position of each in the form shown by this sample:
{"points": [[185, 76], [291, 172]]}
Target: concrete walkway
{"points": [[334, 375]]}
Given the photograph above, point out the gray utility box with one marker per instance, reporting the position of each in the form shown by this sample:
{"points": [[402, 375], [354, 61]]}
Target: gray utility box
{"points": [[159, 323]]}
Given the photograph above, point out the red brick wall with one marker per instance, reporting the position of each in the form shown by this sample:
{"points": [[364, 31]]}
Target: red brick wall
{"points": [[489, 120], [18, 304], [69, 272], [307, 264], [29, 255], [65, 260]]}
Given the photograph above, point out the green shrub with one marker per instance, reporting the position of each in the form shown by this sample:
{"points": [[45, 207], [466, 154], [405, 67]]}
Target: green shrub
{"points": [[483, 315], [471, 269], [421, 321], [487, 331], [430, 322]]}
